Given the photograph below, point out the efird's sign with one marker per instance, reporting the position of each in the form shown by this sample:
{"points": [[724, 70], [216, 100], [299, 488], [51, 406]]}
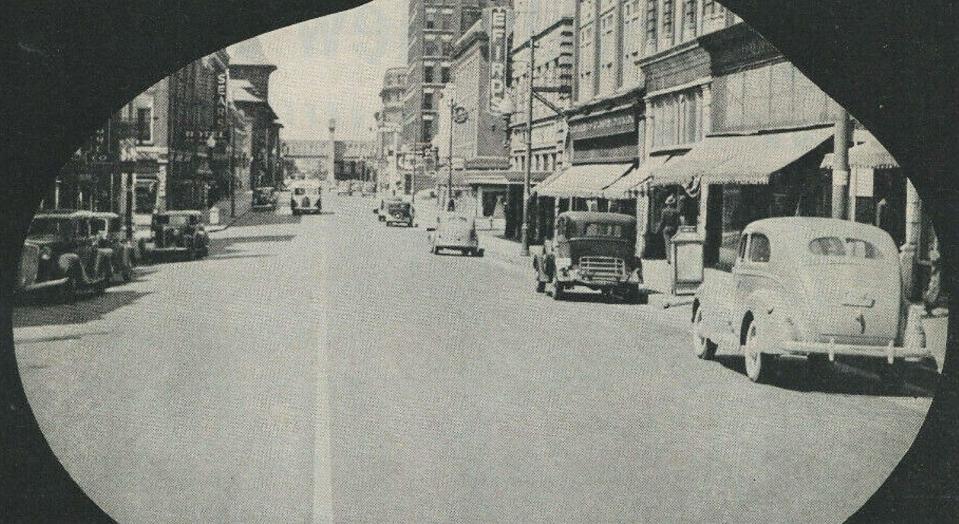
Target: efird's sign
{"points": [[498, 55]]}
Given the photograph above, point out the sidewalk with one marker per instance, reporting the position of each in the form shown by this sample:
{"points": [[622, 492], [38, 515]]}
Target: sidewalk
{"points": [[244, 202], [507, 250]]}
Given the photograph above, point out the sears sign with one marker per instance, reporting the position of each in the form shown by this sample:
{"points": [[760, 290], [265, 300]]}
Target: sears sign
{"points": [[498, 55]]}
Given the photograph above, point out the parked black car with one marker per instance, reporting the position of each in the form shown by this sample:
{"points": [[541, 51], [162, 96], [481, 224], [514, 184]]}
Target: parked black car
{"points": [[179, 232], [264, 198], [112, 234], [63, 253], [595, 250]]}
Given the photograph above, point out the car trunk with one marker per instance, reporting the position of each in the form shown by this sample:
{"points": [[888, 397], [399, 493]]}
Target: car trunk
{"points": [[851, 309]]}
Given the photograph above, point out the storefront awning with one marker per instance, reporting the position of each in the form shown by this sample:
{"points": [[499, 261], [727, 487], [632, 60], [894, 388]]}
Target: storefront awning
{"points": [[746, 159], [625, 187], [491, 177], [583, 181], [869, 154]]}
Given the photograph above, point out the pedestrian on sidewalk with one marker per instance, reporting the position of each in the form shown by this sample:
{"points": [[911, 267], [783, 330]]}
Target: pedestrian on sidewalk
{"points": [[668, 224]]}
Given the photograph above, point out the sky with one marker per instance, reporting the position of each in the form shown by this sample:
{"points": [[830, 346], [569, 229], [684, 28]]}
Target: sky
{"points": [[332, 67]]}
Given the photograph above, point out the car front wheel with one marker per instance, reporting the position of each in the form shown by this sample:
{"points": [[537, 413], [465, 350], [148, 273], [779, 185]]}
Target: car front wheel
{"points": [[703, 347], [758, 364], [558, 292]]}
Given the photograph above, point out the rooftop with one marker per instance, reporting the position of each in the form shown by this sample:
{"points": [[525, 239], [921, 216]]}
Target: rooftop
{"points": [[248, 53]]}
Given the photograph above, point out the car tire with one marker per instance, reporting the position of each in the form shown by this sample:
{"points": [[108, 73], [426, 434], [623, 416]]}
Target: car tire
{"points": [[558, 292], [69, 291], [759, 365], [540, 285], [704, 348]]}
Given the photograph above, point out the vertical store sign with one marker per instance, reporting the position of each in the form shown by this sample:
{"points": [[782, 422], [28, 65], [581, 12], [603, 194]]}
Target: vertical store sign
{"points": [[222, 105], [498, 54]]}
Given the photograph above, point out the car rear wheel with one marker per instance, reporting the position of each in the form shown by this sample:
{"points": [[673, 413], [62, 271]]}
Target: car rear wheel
{"points": [[758, 364], [703, 347], [540, 285]]}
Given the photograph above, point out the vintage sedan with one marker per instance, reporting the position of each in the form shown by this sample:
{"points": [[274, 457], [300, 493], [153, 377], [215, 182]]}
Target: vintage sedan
{"points": [[595, 250], [180, 233], [306, 197], [62, 253], [454, 232], [399, 212], [112, 234], [264, 198], [815, 287]]}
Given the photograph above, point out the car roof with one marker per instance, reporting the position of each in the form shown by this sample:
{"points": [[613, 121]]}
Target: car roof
{"points": [[598, 216], [64, 213], [808, 228], [181, 212]]}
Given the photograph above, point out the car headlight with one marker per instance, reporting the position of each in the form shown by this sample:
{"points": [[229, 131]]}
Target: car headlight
{"points": [[564, 262], [45, 253]]}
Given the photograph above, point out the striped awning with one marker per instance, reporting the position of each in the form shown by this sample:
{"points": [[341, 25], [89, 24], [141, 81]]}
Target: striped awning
{"points": [[741, 159], [869, 154], [583, 181], [625, 187]]}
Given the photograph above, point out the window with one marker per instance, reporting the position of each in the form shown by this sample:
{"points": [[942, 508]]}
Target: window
{"points": [[83, 228], [605, 230], [759, 248], [428, 74], [651, 26], [667, 18], [689, 19], [427, 131], [445, 75], [742, 246], [430, 20], [850, 247], [427, 100], [145, 125], [430, 49]]}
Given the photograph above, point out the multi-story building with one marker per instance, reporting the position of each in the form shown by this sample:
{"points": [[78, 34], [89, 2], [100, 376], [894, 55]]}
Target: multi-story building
{"points": [[553, 67], [434, 25], [389, 127], [252, 69]]}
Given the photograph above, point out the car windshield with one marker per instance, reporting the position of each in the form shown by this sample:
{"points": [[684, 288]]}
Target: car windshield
{"points": [[98, 224], [844, 247], [398, 207], [173, 220], [299, 191], [49, 226], [599, 229]]}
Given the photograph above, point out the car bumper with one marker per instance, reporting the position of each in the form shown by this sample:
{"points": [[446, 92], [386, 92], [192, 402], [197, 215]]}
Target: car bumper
{"points": [[889, 352], [579, 278], [37, 286]]}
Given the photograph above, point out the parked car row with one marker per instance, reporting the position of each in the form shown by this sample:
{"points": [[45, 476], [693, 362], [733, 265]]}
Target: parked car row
{"points": [[73, 253]]}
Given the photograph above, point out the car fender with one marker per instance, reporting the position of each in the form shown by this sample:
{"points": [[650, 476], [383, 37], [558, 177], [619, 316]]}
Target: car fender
{"points": [[770, 308], [70, 265]]}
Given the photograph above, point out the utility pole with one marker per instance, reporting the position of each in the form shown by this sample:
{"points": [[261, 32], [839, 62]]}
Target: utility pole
{"points": [[449, 161], [232, 132], [524, 251], [840, 167]]}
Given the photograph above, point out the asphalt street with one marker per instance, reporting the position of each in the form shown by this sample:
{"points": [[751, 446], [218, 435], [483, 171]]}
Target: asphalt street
{"points": [[329, 368]]}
